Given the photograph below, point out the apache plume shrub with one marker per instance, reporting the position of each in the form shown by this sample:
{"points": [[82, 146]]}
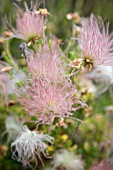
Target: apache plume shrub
{"points": [[50, 93]]}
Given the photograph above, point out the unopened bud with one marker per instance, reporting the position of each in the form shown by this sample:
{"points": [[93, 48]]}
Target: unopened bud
{"points": [[43, 11], [7, 68], [73, 16], [60, 122], [7, 34]]}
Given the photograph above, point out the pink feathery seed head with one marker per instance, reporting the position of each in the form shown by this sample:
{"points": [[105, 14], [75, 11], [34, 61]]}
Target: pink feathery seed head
{"points": [[95, 41], [104, 165], [47, 62], [48, 101], [29, 25]]}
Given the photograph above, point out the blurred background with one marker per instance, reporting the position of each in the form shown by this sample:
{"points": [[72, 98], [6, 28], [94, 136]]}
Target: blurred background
{"points": [[88, 143]]}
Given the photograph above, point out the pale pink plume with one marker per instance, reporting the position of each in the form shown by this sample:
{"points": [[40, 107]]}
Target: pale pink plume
{"points": [[47, 62], [48, 101], [29, 25], [95, 41]]}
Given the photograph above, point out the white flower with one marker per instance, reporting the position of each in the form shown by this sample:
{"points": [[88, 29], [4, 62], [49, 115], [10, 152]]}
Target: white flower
{"points": [[13, 127], [101, 78], [67, 160], [30, 144]]}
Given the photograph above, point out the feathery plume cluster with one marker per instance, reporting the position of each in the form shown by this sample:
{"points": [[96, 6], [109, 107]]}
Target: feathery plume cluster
{"points": [[67, 160], [95, 42], [30, 24], [49, 94], [29, 145]]}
